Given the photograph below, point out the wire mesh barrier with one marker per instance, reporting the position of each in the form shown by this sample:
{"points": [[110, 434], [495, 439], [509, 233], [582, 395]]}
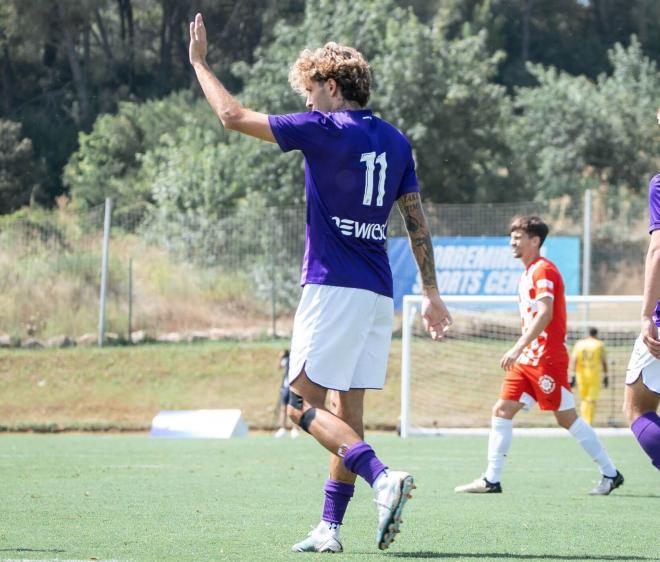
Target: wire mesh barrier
{"points": [[455, 383], [231, 274], [49, 274], [239, 272]]}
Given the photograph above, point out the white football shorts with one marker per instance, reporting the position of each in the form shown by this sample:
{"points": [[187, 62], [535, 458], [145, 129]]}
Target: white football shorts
{"points": [[341, 337], [644, 364]]}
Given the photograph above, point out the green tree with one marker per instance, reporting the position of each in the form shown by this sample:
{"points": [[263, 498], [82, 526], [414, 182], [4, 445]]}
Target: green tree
{"points": [[63, 62], [109, 162], [629, 97], [20, 176], [571, 133], [570, 35], [441, 93], [437, 91]]}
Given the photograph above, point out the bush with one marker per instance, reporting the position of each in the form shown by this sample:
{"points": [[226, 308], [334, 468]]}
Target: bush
{"points": [[20, 172]]}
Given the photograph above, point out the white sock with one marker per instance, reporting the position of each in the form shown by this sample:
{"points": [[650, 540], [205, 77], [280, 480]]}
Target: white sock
{"points": [[380, 482], [588, 440], [499, 442], [327, 527]]}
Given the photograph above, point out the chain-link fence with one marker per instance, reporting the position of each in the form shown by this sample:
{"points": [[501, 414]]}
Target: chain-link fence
{"points": [[455, 384], [236, 273]]}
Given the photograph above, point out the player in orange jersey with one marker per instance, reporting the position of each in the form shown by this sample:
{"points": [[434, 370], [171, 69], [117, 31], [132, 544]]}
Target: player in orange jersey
{"points": [[537, 365]]}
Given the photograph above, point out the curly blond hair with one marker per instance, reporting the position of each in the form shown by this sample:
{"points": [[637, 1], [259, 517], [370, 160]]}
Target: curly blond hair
{"points": [[345, 65]]}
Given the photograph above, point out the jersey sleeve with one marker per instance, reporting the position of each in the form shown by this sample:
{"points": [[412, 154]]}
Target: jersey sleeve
{"points": [[546, 281], [654, 203], [409, 183], [300, 131]]}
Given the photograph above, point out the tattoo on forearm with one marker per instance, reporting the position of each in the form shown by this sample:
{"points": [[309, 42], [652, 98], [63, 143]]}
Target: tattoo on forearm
{"points": [[410, 207]]}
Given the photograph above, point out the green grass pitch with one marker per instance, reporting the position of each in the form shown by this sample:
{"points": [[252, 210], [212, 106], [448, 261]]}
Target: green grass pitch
{"points": [[116, 497]]}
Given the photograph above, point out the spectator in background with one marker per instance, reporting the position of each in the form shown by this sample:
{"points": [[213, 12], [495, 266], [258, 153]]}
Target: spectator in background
{"points": [[283, 419], [589, 368]]}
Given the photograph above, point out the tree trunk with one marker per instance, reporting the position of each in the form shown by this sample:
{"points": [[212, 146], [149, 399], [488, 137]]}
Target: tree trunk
{"points": [[131, 42], [602, 25], [128, 7], [77, 73], [127, 31], [7, 82], [641, 16], [165, 45], [182, 48], [86, 47], [122, 21], [170, 36], [526, 21], [103, 34]]}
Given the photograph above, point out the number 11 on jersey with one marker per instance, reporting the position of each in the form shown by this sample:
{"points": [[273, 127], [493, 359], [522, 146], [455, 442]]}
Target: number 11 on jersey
{"points": [[371, 159]]}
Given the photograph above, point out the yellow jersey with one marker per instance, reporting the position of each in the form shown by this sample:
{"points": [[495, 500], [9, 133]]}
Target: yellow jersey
{"points": [[588, 354]]}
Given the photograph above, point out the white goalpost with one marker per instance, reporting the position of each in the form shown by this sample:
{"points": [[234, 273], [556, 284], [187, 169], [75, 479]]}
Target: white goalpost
{"points": [[453, 384]]}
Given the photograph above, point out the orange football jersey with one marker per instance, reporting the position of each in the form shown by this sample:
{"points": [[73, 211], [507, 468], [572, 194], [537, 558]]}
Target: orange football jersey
{"points": [[540, 280]]}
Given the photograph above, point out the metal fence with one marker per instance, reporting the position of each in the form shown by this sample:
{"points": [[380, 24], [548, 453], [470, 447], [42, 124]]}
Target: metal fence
{"points": [[236, 273]]}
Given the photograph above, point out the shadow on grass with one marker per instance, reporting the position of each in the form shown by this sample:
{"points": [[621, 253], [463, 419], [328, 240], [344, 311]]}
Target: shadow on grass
{"points": [[509, 556], [20, 549], [649, 496]]}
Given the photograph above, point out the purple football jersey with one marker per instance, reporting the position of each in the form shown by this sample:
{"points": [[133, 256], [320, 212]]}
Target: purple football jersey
{"points": [[356, 167], [654, 203]]}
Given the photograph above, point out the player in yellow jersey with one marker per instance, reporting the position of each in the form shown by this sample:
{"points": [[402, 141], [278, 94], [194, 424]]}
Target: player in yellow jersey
{"points": [[589, 363]]}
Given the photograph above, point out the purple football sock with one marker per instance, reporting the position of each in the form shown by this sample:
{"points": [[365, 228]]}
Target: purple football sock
{"points": [[361, 459], [647, 431], [337, 496]]}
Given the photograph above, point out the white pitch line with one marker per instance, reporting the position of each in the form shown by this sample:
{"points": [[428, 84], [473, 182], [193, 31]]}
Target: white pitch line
{"points": [[56, 560], [521, 431]]}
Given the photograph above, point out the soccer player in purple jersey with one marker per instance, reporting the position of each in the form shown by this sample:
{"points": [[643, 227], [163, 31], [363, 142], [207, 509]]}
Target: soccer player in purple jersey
{"points": [[356, 167], [642, 393]]}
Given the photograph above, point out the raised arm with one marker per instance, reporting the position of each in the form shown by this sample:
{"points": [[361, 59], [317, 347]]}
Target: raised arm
{"points": [[435, 315], [228, 109]]}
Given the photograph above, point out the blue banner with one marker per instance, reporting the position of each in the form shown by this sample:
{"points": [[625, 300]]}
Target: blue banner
{"points": [[479, 265]]}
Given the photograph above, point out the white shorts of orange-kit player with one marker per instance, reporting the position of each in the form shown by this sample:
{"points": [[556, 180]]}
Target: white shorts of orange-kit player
{"points": [[341, 337], [643, 364]]}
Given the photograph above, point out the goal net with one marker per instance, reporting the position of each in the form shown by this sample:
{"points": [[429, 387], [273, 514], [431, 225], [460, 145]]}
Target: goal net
{"points": [[454, 383]]}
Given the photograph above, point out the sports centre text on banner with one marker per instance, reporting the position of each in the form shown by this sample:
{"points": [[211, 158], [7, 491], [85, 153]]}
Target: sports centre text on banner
{"points": [[478, 265]]}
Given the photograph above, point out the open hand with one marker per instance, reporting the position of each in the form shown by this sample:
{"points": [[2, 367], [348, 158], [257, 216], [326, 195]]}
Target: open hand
{"points": [[198, 46], [435, 316], [510, 357], [650, 337]]}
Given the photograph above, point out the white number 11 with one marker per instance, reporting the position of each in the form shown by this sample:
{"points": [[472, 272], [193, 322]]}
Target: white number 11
{"points": [[371, 160]]}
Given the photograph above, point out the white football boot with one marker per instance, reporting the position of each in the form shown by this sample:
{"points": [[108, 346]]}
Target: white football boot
{"points": [[607, 484], [480, 486], [392, 490], [320, 539]]}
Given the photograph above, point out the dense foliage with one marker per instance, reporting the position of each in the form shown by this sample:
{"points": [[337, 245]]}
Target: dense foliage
{"points": [[503, 100], [19, 170]]}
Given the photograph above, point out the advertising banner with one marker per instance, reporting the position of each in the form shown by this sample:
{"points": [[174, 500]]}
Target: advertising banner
{"points": [[479, 265]]}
